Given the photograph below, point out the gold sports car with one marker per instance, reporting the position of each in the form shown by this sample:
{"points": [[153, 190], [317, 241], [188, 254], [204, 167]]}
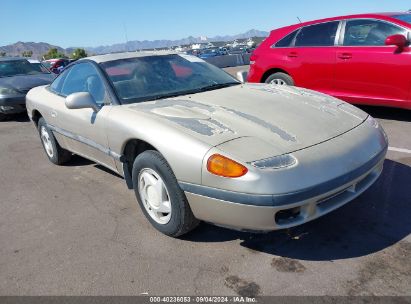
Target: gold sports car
{"points": [[196, 144]]}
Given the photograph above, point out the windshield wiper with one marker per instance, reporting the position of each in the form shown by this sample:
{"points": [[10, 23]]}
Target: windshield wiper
{"points": [[171, 95], [217, 86], [193, 91]]}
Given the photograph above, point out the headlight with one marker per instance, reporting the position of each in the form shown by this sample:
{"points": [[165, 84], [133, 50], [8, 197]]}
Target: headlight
{"points": [[353, 111], [373, 122], [277, 162], [6, 108], [8, 91]]}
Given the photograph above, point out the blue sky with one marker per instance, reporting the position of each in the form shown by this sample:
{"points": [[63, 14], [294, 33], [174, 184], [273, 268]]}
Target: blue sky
{"points": [[93, 22]]}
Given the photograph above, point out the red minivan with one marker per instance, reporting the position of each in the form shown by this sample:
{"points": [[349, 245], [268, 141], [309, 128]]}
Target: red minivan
{"points": [[362, 59]]}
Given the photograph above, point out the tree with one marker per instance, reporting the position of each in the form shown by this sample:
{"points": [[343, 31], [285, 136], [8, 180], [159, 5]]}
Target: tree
{"points": [[79, 53], [3, 54], [27, 54], [54, 53]]}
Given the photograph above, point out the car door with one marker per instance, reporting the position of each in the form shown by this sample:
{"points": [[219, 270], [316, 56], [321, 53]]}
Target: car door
{"points": [[368, 71], [311, 59], [82, 130]]}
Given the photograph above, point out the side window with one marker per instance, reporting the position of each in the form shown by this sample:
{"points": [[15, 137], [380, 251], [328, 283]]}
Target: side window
{"points": [[322, 34], [57, 84], [84, 77], [287, 40], [369, 32]]}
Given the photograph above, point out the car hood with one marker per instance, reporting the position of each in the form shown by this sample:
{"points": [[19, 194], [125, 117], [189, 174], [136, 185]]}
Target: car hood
{"points": [[260, 120], [24, 83]]}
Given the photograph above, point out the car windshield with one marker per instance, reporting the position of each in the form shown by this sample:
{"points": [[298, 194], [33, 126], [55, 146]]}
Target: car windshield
{"points": [[47, 64], [239, 48], [157, 77], [209, 51], [17, 67], [39, 67], [405, 17]]}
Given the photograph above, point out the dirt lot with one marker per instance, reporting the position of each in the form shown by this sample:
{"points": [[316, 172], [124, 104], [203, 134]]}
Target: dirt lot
{"points": [[77, 230]]}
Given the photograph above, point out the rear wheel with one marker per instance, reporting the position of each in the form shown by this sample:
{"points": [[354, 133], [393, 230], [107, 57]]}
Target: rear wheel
{"points": [[280, 79], [54, 152], [160, 197]]}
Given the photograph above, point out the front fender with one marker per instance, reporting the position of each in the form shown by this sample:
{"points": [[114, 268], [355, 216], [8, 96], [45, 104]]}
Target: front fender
{"points": [[183, 152]]}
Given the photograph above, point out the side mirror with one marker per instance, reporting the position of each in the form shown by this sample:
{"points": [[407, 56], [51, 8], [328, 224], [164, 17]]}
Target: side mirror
{"points": [[242, 76], [397, 40], [81, 100]]}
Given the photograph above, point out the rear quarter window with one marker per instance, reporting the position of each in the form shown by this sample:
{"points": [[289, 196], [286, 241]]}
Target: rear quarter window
{"points": [[287, 40]]}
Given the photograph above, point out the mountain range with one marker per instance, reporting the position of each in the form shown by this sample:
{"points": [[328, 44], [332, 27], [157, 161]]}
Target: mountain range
{"points": [[40, 48]]}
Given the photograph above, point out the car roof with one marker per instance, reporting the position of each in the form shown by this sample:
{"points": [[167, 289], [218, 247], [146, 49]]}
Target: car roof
{"points": [[127, 55], [12, 58], [372, 15], [355, 16]]}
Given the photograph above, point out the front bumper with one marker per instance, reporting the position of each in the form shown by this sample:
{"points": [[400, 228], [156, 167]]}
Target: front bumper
{"points": [[271, 212], [12, 104], [328, 175]]}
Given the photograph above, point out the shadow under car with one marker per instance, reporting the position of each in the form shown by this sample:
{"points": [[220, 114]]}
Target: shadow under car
{"points": [[374, 221]]}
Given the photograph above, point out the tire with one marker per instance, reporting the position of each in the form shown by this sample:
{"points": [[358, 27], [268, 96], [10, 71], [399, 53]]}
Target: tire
{"points": [[3, 116], [54, 152], [280, 78], [151, 171]]}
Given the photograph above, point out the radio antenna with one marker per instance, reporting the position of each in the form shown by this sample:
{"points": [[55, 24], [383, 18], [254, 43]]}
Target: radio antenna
{"points": [[299, 19], [125, 35]]}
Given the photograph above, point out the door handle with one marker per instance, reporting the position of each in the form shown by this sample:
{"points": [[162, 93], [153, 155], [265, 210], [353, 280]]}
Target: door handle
{"points": [[53, 114], [345, 56], [292, 55]]}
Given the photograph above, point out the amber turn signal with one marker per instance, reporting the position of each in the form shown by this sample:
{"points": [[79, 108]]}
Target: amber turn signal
{"points": [[223, 166]]}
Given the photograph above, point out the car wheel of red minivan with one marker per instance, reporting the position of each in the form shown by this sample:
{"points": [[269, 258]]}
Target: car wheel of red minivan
{"points": [[280, 79]]}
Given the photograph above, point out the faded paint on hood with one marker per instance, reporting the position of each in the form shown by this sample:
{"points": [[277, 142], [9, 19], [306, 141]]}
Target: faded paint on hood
{"points": [[281, 119]]}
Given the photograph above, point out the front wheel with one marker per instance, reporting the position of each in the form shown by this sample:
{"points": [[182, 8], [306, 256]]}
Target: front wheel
{"points": [[54, 152], [280, 79], [160, 197]]}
